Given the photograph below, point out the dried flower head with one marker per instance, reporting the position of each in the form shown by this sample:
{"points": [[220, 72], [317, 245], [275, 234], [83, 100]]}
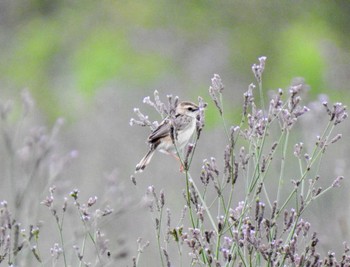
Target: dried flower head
{"points": [[215, 90], [201, 116], [27, 102], [336, 182], [158, 105], [338, 113], [248, 98], [258, 69]]}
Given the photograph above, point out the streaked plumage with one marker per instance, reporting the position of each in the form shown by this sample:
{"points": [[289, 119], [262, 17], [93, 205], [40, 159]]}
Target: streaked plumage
{"points": [[160, 139]]}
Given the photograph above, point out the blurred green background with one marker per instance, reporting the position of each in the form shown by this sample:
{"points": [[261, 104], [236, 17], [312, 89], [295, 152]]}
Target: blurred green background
{"points": [[92, 62], [76, 48]]}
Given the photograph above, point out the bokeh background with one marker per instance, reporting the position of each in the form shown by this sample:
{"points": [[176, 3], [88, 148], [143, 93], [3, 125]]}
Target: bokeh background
{"points": [[92, 62]]}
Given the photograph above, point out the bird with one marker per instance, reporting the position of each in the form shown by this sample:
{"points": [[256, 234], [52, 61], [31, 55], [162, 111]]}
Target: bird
{"points": [[183, 125]]}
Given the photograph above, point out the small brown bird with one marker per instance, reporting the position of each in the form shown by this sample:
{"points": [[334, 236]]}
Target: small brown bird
{"points": [[160, 139]]}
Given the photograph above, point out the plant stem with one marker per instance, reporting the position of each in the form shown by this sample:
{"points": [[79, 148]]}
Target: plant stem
{"points": [[60, 230], [283, 162], [204, 204]]}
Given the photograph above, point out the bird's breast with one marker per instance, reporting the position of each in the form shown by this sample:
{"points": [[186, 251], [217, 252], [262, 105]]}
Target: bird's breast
{"points": [[184, 135], [182, 138]]}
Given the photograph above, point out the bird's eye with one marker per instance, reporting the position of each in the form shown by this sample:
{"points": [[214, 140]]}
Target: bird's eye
{"points": [[190, 109]]}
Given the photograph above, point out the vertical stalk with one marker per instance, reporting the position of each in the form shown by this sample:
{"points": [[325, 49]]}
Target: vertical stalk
{"points": [[283, 163]]}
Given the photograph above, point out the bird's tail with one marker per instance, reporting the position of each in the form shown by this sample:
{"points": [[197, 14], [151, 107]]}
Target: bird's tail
{"points": [[144, 161]]}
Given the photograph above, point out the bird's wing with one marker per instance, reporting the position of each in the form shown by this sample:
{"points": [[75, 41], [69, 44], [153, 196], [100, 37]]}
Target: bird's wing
{"points": [[161, 131]]}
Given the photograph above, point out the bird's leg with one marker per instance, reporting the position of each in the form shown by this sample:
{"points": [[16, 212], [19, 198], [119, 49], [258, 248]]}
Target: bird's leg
{"points": [[182, 168]]}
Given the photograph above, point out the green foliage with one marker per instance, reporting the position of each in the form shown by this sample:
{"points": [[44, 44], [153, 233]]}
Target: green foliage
{"points": [[100, 57], [301, 43], [38, 42], [106, 55], [60, 44]]}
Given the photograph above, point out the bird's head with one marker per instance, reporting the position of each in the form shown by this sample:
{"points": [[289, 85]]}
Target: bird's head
{"points": [[187, 108]]}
